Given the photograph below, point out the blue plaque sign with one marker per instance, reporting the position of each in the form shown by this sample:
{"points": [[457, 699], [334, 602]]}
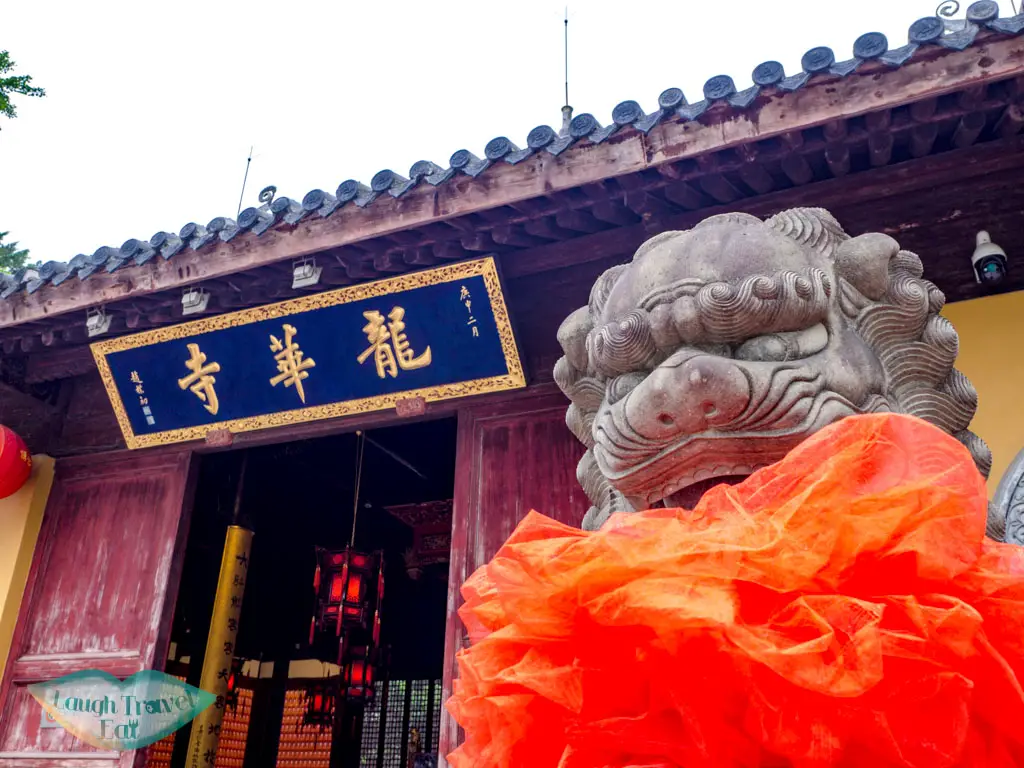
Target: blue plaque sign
{"points": [[438, 334]]}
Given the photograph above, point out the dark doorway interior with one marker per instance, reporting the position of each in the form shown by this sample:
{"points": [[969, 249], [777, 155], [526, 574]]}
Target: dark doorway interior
{"points": [[295, 497]]}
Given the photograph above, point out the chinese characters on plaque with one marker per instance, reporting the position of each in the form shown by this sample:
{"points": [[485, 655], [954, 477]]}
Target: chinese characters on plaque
{"points": [[466, 298], [200, 382], [434, 335], [143, 400], [390, 347], [291, 363]]}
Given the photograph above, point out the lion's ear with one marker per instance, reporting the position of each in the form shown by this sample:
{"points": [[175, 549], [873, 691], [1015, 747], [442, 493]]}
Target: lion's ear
{"points": [[572, 336], [863, 261]]}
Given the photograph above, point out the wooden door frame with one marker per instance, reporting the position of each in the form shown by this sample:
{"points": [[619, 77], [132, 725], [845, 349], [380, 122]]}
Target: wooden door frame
{"points": [[468, 479], [26, 669]]}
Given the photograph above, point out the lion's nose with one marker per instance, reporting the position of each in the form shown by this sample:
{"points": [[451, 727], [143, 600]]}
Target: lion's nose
{"points": [[688, 397]]}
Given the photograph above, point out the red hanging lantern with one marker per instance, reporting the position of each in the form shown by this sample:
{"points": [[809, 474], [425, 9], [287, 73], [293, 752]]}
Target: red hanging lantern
{"points": [[348, 587], [15, 462], [358, 675], [320, 702], [345, 628]]}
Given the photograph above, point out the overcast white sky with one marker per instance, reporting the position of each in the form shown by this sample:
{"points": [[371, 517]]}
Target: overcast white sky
{"points": [[152, 107]]}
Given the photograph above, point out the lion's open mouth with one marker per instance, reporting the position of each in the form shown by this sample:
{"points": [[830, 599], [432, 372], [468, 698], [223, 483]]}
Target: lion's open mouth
{"points": [[747, 408]]}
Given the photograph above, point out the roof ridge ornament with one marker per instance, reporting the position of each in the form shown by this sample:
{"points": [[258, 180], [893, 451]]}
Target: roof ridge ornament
{"points": [[566, 120], [946, 13]]}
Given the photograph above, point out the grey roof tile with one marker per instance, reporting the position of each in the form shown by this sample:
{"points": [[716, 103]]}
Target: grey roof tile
{"points": [[693, 111], [465, 161], [960, 39], [818, 60], [745, 98], [983, 11], [899, 56], [768, 73], [719, 88], [794, 82], [870, 45]]}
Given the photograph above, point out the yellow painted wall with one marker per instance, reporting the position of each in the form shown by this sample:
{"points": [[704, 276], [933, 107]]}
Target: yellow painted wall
{"points": [[21, 516], [992, 356]]}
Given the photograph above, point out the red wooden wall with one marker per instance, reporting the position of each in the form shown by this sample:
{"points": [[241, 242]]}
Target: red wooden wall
{"points": [[100, 594], [513, 456]]}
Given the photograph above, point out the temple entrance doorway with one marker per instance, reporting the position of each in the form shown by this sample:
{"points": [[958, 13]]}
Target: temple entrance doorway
{"points": [[367, 698]]}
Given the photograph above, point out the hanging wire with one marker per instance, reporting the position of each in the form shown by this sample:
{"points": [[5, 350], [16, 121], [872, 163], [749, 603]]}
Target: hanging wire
{"points": [[360, 444]]}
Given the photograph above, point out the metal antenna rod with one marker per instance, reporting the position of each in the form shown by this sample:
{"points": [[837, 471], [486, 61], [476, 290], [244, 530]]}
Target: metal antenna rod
{"points": [[567, 55], [245, 178]]}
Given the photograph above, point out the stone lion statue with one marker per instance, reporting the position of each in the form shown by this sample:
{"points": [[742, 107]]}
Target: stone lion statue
{"points": [[718, 349]]}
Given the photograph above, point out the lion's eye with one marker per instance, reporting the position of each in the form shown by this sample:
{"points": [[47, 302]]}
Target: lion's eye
{"points": [[622, 385], [779, 347]]}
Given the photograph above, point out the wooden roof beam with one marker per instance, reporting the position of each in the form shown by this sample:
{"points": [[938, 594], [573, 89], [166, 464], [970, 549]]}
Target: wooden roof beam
{"points": [[835, 130], [615, 213], [1010, 122], [685, 196], [424, 255], [968, 129], [922, 138], [440, 251], [869, 186], [647, 204], [579, 220], [754, 174], [714, 183], [880, 149], [514, 236], [837, 157], [547, 228], [922, 111]]}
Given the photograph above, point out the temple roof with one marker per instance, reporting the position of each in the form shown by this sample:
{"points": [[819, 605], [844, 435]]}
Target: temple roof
{"points": [[721, 98]]}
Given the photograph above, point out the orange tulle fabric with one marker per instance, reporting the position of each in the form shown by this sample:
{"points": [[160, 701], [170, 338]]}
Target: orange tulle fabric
{"points": [[840, 608]]}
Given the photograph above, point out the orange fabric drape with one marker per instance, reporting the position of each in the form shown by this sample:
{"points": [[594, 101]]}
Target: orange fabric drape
{"points": [[839, 608]]}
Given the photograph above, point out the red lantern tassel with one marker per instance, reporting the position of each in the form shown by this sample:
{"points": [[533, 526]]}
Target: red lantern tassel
{"points": [[312, 629], [316, 579], [341, 608]]}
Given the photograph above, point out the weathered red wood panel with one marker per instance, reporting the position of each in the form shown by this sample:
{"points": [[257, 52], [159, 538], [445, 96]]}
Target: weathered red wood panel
{"points": [[100, 594], [513, 456]]}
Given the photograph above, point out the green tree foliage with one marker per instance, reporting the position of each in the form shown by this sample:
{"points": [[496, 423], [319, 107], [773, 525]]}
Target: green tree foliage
{"points": [[11, 84], [11, 257]]}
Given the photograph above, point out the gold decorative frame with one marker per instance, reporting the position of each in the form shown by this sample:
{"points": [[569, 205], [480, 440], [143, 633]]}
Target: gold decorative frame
{"points": [[486, 268]]}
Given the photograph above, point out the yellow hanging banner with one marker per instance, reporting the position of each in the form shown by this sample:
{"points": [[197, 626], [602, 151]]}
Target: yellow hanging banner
{"points": [[220, 646]]}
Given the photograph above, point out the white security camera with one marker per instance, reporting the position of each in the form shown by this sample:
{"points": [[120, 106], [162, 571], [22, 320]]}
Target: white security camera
{"points": [[988, 260]]}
